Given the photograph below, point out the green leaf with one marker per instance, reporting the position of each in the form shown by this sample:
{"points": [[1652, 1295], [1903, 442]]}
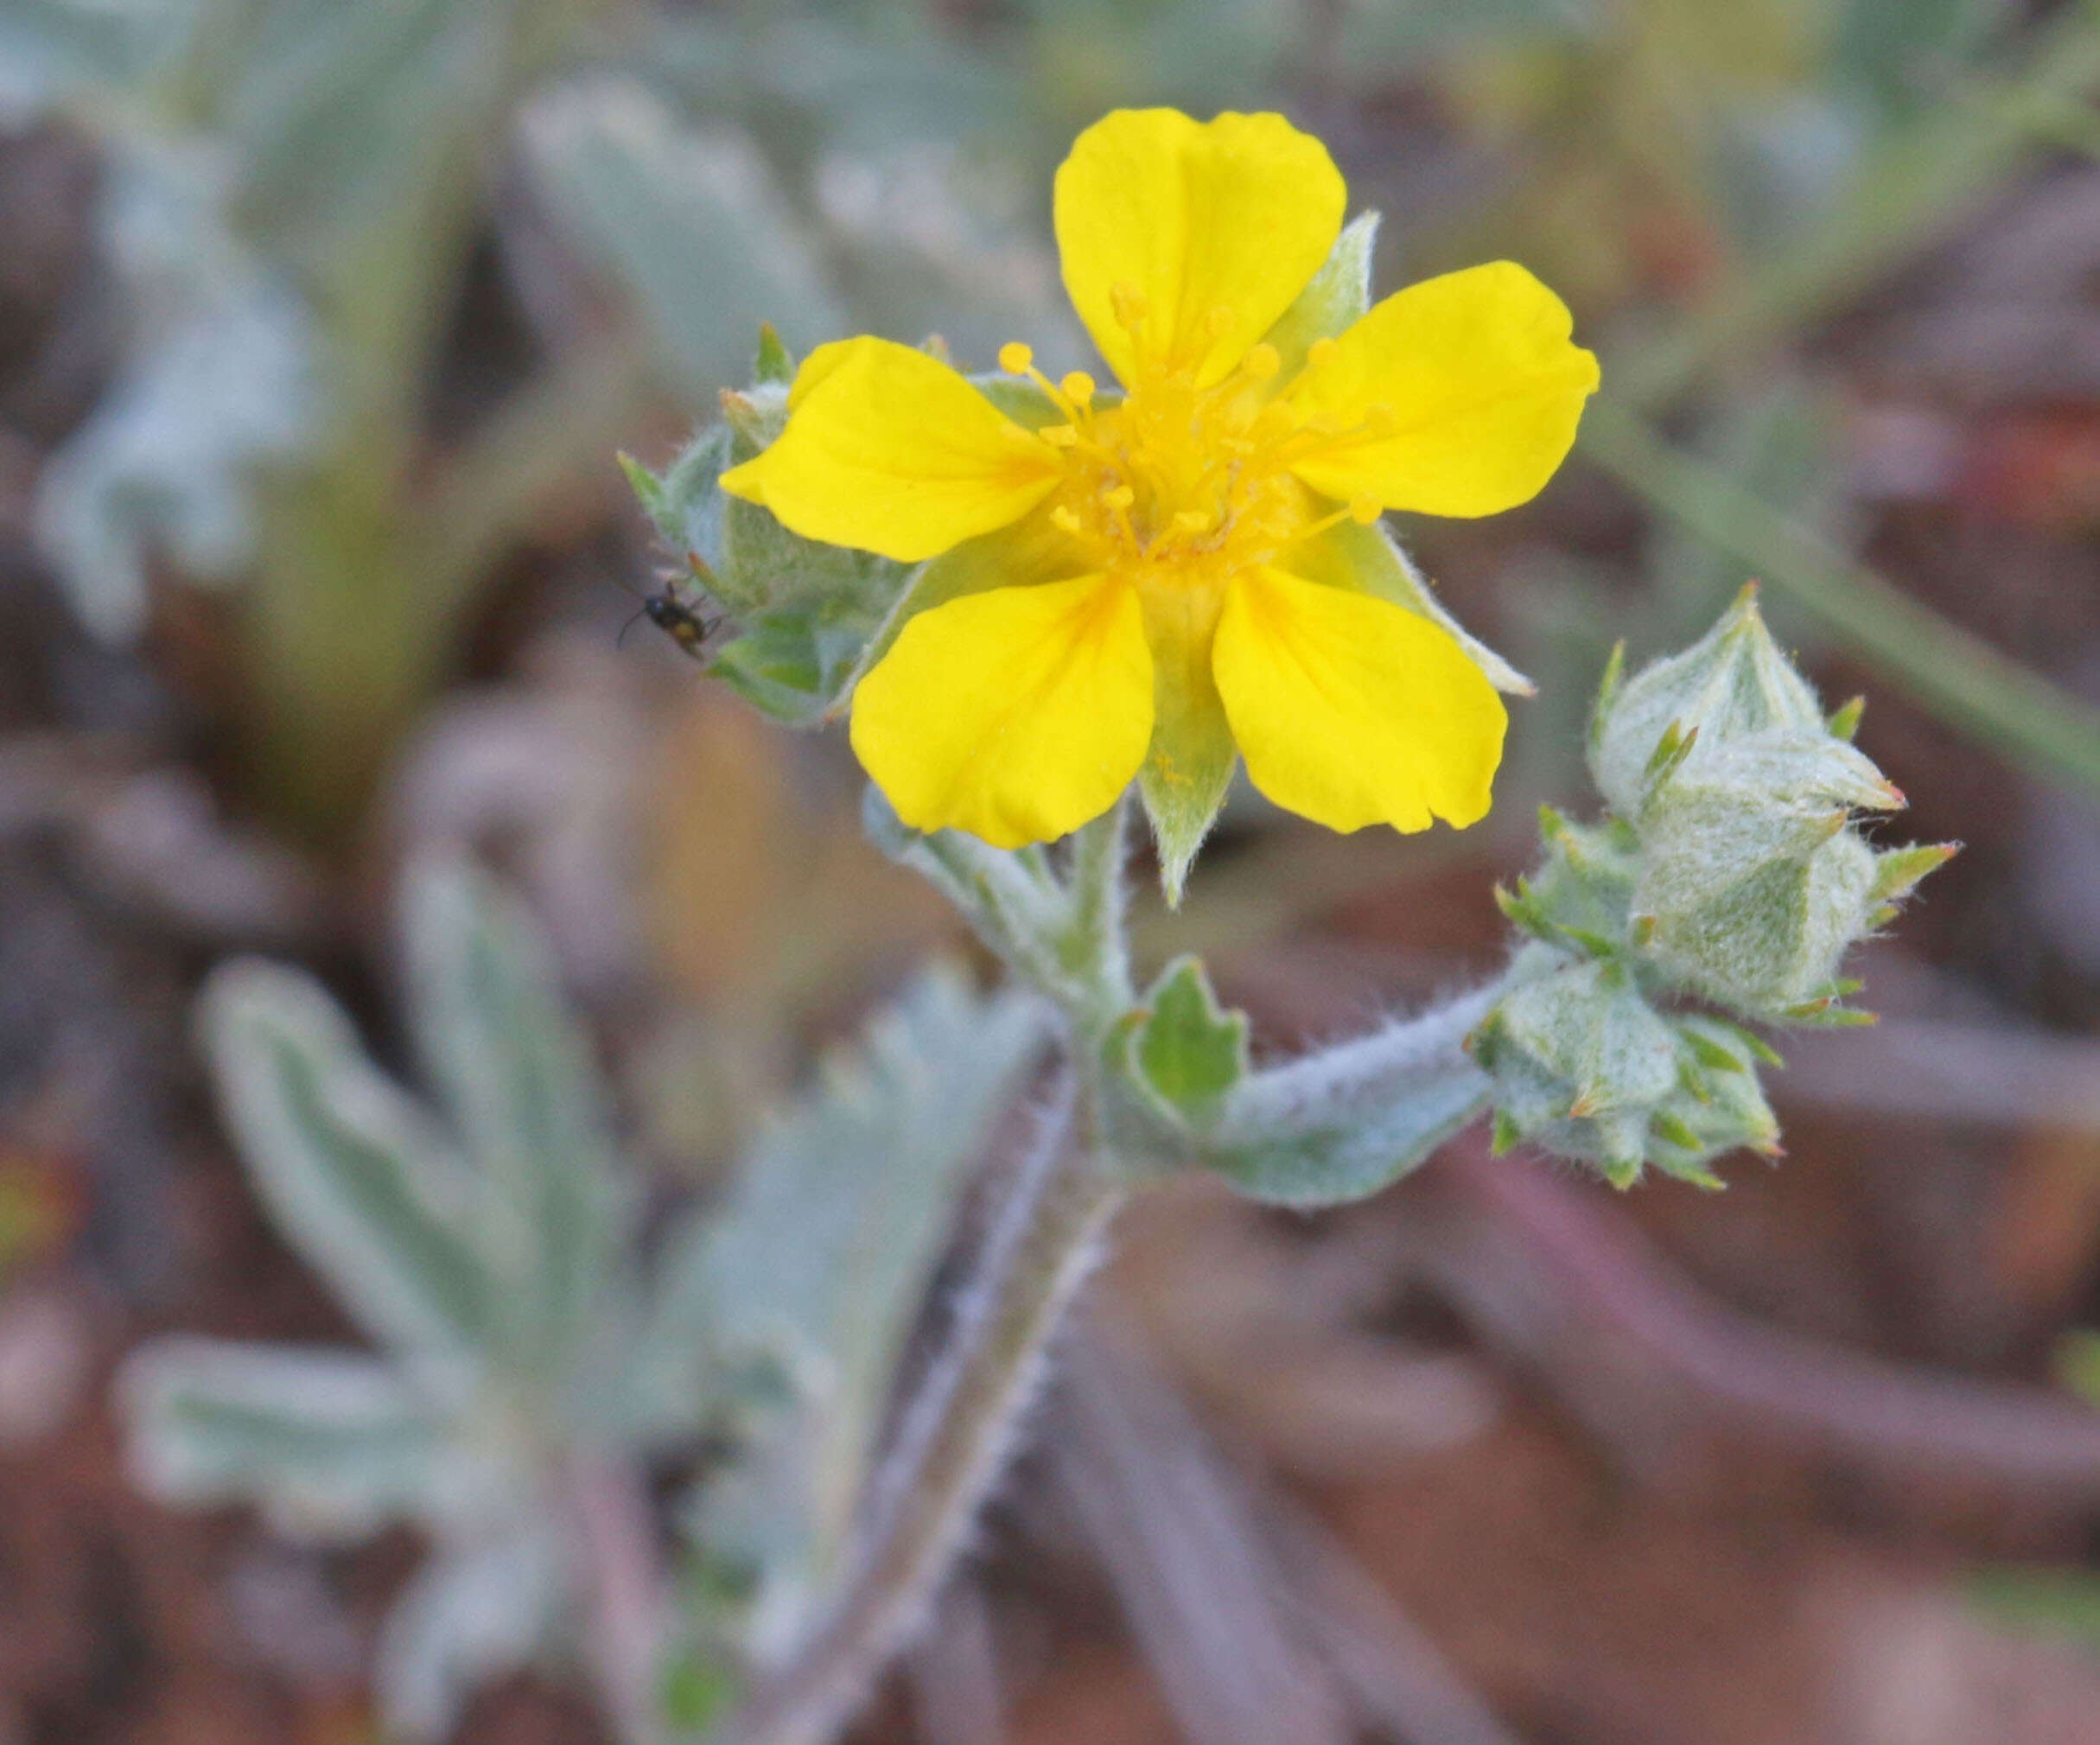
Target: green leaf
{"points": [[818, 1261], [1186, 1050], [525, 1097], [2064, 1602], [2076, 1363], [689, 223], [471, 1614], [349, 1169], [1353, 1159], [330, 1445], [54, 50]]}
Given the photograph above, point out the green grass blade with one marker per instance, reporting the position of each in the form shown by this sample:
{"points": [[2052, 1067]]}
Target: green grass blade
{"points": [[1957, 674]]}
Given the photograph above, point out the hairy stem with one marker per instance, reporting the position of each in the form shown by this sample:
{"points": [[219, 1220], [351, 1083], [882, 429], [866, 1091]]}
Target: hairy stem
{"points": [[954, 1437], [1353, 1081], [610, 1513]]}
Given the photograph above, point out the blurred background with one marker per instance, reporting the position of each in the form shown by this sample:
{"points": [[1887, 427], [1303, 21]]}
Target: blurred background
{"points": [[319, 327]]}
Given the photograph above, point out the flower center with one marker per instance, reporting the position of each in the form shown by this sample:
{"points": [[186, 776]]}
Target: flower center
{"points": [[1177, 484]]}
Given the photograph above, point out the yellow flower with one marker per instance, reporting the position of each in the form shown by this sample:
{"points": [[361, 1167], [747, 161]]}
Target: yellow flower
{"points": [[1152, 584]]}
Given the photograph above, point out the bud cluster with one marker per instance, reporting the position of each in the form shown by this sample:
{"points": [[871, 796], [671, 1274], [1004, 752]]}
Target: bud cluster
{"points": [[1731, 870], [799, 618]]}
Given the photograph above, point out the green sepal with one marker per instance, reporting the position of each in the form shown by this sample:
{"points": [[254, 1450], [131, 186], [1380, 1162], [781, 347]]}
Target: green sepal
{"points": [[1898, 872], [1734, 683], [775, 364], [1338, 296], [1620, 1172], [1713, 1055], [684, 502], [1608, 688], [1844, 721], [757, 414], [1188, 768]]}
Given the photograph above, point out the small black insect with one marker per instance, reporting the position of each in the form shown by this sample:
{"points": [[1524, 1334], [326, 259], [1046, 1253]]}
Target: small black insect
{"points": [[677, 616]]}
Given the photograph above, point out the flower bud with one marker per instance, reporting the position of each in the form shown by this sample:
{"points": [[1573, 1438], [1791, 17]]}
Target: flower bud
{"points": [[1585, 1067], [1732, 683], [1751, 881]]}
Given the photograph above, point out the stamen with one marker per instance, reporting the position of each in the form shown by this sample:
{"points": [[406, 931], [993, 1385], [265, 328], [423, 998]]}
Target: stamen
{"points": [[1261, 361], [1066, 519], [1119, 497], [1191, 521], [1060, 435], [1275, 422], [1128, 304], [1014, 357], [1361, 510], [1320, 353], [1078, 388]]}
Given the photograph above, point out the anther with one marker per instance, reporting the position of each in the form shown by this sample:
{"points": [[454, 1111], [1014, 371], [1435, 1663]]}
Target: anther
{"points": [[1262, 361], [1014, 357], [1191, 521], [1120, 498], [1128, 304], [1065, 519], [1078, 388], [1320, 353]]}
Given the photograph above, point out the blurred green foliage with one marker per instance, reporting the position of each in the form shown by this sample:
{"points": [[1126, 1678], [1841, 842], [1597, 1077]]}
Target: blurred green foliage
{"points": [[527, 1348]]}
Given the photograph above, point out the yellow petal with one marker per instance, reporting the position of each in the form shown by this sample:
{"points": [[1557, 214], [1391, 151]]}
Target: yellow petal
{"points": [[1457, 396], [889, 450], [1034, 550], [1231, 215], [1352, 710], [1016, 714]]}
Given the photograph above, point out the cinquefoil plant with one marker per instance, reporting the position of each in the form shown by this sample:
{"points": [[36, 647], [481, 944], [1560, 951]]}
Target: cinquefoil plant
{"points": [[1034, 597]]}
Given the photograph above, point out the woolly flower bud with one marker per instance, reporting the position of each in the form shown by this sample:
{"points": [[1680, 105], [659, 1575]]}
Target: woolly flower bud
{"points": [[1586, 1068], [1730, 686], [1751, 881], [1732, 871]]}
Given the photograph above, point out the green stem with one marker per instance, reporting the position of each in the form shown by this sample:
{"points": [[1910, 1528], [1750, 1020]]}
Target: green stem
{"points": [[1095, 953], [338, 656], [1956, 673], [954, 1437]]}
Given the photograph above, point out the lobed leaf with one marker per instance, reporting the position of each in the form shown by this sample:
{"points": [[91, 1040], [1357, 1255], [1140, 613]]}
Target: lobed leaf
{"points": [[471, 1614], [525, 1097], [818, 1263], [348, 1168], [330, 1445]]}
